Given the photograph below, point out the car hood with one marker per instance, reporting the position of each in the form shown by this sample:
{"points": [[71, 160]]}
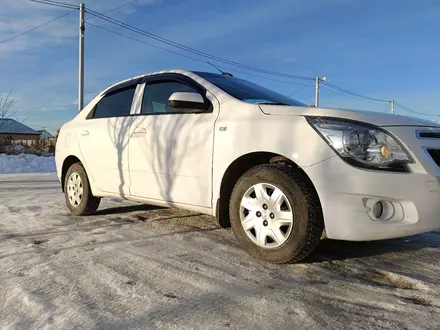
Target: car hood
{"points": [[375, 118]]}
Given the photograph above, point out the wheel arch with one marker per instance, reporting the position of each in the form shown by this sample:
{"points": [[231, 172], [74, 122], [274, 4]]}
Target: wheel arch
{"points": [[241, 165], [69, 161]]}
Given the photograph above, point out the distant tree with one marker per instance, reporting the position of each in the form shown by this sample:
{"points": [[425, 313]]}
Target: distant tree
{"points": [[6, 105]]}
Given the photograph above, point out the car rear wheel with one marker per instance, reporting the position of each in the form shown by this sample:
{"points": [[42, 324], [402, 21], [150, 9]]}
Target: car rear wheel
{"points": [[77, 192], [275, 214]]}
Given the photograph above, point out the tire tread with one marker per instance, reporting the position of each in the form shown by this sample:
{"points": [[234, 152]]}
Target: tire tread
{"points": [[315, 223], [90, 203]]}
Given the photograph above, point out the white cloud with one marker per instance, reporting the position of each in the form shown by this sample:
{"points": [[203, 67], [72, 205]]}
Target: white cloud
{"points": [[37, 84], [19, 16], [60, 31], [49, 91], [52, 88]]}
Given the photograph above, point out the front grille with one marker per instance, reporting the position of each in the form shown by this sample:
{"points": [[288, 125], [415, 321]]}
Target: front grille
{"points": [[435, 155], [429, 135]]}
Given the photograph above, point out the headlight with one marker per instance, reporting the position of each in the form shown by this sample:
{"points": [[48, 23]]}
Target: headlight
{"points": [[362, 144]]}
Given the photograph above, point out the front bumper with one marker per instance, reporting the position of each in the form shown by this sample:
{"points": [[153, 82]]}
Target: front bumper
{"points": [[347, 194]]}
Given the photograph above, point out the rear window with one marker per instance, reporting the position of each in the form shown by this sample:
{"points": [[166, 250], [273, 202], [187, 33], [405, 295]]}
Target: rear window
{"points": [[116, 104]]}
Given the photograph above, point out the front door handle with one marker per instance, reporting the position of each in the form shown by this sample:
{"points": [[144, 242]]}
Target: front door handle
{"points": [[140, 131], [84, 132]]}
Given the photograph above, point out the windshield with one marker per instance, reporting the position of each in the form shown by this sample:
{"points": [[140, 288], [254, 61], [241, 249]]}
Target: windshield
{"points": [[247, 91]]}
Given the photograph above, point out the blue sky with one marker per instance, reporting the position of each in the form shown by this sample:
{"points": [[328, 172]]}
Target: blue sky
{"points": [[385, 49]]}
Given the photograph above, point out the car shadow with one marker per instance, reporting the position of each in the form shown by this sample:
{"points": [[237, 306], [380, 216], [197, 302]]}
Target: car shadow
{"points": [[335, 250], [126, 209]]}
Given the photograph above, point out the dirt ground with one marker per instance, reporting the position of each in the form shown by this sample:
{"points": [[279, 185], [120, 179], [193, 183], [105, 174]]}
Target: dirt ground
{"points": [[134, 266]]}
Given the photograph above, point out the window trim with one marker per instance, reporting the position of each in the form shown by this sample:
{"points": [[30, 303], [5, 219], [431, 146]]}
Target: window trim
{"points": [[136, 109], [138, 97]]}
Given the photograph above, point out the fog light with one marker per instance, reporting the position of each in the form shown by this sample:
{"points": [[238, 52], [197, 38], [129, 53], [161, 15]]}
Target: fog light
{"points": [[377, 209]]}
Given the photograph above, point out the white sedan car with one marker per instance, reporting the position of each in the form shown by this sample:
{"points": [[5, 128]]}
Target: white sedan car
{"points": [[279, 172]]}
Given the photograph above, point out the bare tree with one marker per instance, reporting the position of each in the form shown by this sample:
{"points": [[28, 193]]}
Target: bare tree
{"points": [[6, 105]]}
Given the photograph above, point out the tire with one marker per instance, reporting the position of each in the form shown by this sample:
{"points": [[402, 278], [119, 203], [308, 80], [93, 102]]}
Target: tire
{"points": [[88, 203], [306, 220]]}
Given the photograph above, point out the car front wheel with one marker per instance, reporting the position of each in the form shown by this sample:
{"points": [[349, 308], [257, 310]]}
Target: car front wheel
{"points": [[275, 214], [77, 192]]}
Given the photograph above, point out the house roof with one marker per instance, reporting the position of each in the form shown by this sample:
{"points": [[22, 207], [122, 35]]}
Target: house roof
{"points": [[11, 126], [45, 134]]}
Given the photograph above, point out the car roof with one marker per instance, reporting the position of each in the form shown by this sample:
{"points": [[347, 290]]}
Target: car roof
{"points": [[133, 80]]}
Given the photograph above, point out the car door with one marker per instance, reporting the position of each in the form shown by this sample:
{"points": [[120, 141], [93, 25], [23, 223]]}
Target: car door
{"points": [[170, 152], [103, 141]]}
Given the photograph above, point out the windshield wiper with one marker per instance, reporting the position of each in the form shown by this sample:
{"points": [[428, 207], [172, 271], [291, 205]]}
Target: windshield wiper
{"points": [[273, 103]]}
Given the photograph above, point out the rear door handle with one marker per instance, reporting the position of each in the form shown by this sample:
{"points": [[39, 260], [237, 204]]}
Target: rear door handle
{"points": [[84, 132], [139, 131]]}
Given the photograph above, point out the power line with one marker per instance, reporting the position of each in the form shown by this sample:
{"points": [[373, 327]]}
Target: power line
{"points": [[353, 96], [144, 42], [299, 90], [352, 93], [194, 51], [37, 27], [68, 5], [189, 57], [120, 7], [384, 108], [114, 9], [267, 78], [219, 59], [189, 49], [412, 110], [345, 91], [56, 4], [177, 53]]}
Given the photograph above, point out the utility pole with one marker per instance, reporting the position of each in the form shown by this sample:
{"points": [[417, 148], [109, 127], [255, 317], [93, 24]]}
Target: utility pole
{"points": [[317, 80], [392, 106], [81, 58], [316, 92]]}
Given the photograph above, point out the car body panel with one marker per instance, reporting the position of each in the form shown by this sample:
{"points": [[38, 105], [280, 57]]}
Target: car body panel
{"points": [[180, 159], [375, 118], [171, 156], [347, 195], [248, 130], [103, 145]]}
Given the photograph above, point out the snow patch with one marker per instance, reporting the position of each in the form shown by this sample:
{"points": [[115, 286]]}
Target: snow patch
{"points": [[383, 277], [26, 163]]}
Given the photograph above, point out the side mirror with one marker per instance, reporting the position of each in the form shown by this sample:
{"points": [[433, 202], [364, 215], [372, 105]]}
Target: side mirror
{"points": [[187, 101]]}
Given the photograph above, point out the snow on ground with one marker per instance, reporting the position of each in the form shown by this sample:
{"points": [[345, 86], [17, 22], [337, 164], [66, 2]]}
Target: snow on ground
{"points": [[134, 266], [26, 163]]}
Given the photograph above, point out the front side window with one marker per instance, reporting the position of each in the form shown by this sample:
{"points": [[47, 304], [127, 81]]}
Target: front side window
{"points": [[156, 96], [116, 104]]}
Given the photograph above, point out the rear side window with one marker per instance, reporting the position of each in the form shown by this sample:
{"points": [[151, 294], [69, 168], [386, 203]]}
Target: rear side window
{"points": [[116, 104]]}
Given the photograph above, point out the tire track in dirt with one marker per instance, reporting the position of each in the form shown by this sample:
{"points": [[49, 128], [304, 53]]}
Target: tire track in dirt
{"points": [[136, 267]]}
